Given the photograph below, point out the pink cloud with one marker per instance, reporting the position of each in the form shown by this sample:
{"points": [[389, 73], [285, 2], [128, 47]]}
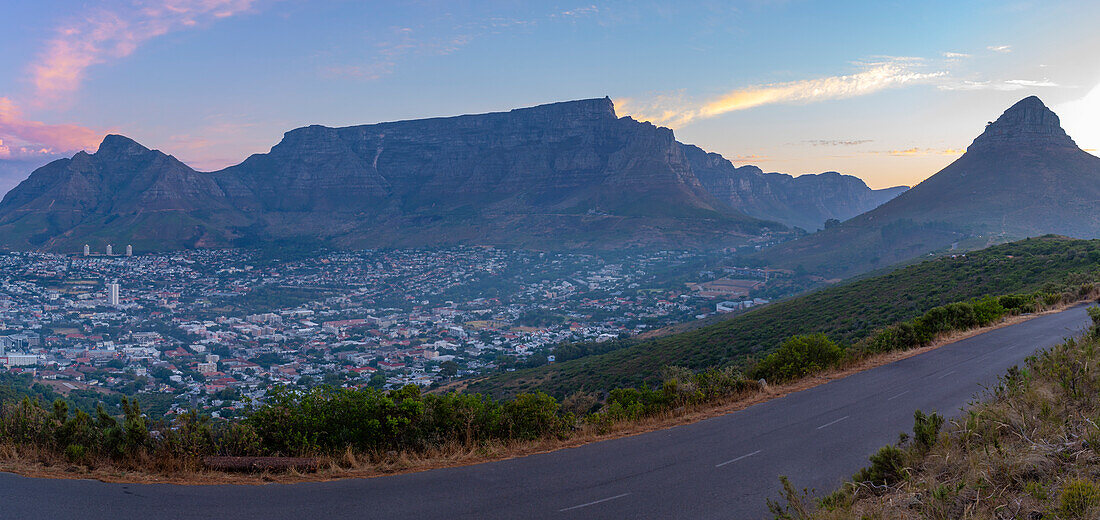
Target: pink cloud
{"points": [[21, 137], [103, 35]]}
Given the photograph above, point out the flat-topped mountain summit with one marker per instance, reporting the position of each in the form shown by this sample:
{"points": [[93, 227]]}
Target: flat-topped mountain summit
{"points": [[1023, 176], [562, 175]]}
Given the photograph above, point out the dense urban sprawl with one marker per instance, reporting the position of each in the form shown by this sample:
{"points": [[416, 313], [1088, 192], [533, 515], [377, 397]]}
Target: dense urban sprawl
{"points": [[218, 328]]}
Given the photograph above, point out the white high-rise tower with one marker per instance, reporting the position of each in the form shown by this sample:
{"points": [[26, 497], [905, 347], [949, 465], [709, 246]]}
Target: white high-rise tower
{"points": [[112, 294], [87, 249], [129, 250], [110, 250]]}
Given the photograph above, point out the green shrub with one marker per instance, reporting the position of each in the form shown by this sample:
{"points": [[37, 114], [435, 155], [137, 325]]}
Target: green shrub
{"points": [[926, 428], [76, 453], [799, 356], [1017, 302], [1079, 499], [1036, 490], [987, 310], [887, 467], [530, 416]]}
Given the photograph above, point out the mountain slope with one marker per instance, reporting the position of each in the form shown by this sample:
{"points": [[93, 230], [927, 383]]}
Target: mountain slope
{"points": [[806, 201], [123, 193], [1023, 176], [846, 313]]}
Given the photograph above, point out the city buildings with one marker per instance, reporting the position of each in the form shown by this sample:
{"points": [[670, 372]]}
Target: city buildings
{"points": [[112, 294], [216, 329]]}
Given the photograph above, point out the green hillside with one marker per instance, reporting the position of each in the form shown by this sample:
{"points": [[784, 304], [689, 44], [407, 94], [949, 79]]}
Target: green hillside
{"points": [[846, 313]]}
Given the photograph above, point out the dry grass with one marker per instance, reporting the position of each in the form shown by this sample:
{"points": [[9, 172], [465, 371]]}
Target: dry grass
{"points": [[36, 463], [1031, 451]]}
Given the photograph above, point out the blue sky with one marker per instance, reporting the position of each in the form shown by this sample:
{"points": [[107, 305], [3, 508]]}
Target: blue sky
{"points": [[889, 91]]}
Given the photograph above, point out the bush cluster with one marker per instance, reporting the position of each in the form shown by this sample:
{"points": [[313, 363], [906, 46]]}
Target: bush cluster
{"points": [[85, 439], [798, 357], [680, 388], [295, 422]]}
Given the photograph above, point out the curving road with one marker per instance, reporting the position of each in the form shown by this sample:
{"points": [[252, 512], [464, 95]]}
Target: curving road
{"points": [[723, 467]]}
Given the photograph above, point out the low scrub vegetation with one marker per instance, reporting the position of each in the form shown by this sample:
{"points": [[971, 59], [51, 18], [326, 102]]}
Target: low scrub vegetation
{"points": [[800, 356], [849, 313], [355, 424], [1031, 450]]}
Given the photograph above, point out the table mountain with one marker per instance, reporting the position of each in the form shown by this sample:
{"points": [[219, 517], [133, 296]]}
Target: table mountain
{"points": [[563, 175], [1023, 176], [566, 174]]}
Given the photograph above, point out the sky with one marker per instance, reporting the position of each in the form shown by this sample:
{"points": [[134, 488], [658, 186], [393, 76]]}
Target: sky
{"points": [[890, 91]]}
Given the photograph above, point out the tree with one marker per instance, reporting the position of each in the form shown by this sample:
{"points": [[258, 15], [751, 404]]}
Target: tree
{"points": [[378, 380], [448, 369]]}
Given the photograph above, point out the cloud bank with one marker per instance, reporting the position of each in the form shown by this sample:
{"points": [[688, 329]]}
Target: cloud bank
{"points": [[21, 137]]}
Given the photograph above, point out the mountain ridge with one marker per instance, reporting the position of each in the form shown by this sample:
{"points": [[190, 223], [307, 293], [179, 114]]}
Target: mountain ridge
{"points": [[806, 201], [569, 174]]}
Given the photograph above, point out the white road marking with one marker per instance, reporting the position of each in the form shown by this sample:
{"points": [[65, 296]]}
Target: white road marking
{"points": [[593, 503], [737, 459], [947, 374], [834, 422], [899, 395]]}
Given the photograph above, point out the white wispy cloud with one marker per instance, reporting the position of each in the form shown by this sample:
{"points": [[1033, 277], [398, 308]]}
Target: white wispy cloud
{"points": [[1004, 86], [578, 12], [1000, 48], [955, 55], [837, 142], [675, 111]]}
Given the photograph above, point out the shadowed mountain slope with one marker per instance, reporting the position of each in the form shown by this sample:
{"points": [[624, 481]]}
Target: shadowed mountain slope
{"points": [[1023, 176]]}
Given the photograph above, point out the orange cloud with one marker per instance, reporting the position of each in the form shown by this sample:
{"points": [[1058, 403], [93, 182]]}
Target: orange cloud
{"points": [[102, 35], [38, 138], [892, 73]]}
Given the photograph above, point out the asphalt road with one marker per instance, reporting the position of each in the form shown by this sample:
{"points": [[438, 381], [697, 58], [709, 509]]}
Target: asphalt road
{"points": [[723, 467]]}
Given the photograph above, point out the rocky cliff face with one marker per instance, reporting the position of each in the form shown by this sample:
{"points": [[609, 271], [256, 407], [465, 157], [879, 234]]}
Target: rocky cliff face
{"points": [[806, 201], [469, 178], [564, 175], [569, 157]]}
